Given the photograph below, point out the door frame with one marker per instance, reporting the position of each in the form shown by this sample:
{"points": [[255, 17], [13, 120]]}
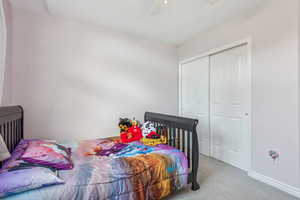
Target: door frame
{"points": [[248, 42]]}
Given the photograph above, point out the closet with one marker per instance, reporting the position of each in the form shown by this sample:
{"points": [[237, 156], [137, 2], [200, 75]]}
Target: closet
{"points": [[215, 89]]}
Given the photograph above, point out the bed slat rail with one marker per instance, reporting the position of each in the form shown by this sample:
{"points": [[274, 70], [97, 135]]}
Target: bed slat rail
{"points": [[181, 134], [11, 126]]}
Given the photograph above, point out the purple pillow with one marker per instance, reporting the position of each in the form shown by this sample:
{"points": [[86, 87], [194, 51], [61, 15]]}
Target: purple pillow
{"points": [[16, 181], [48, 153], [17, 153]]}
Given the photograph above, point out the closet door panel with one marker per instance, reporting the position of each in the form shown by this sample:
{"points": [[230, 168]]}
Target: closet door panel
{"points": [[195, 97], [228, 106]]}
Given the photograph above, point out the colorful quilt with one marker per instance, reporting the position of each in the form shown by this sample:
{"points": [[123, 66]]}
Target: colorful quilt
{"points": [[104, 169]]}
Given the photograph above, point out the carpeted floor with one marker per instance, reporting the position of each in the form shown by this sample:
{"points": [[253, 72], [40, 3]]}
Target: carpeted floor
{"points": [[220, 181]]}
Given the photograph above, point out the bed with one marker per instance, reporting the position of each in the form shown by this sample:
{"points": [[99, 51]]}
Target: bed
{"points": [[152, 173]]}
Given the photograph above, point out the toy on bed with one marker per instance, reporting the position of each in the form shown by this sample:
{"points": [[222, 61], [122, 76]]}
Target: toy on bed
{"points": [[149, 131], [124, 124], [129, 130], [151, 135]]}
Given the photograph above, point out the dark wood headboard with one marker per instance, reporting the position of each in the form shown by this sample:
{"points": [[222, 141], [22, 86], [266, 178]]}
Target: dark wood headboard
{"points": [[11, 126], [181, 133]]}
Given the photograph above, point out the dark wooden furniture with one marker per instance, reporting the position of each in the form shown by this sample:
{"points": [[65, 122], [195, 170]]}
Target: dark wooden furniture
{"points": [[11, 126], [180, 132]]}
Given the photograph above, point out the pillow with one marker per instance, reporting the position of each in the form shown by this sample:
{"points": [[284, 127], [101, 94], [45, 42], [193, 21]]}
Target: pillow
{"points": [[48, 153], [4, 153], [15, 156], [16, 181]]}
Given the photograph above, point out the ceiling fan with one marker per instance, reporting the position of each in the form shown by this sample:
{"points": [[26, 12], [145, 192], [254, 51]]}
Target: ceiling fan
{"points": [[156, 6]]}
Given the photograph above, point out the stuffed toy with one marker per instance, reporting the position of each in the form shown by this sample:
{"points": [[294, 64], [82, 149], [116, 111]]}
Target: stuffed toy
{"points": [[124, 124], [154, 142], [149, 131], [130, 134], [151, 135]]}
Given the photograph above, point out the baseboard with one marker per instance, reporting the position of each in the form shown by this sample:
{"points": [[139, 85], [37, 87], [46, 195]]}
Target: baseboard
{"points": [[275, 183]]}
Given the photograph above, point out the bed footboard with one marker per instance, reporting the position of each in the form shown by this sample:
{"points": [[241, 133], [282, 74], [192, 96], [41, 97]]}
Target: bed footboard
{"points": [[181, 133]]}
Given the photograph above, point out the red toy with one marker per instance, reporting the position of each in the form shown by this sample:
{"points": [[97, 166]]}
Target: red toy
{"points": [[153, 135], [134, 133]]}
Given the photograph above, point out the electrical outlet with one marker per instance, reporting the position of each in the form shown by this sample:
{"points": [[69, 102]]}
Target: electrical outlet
{"points": [[274, 155]]}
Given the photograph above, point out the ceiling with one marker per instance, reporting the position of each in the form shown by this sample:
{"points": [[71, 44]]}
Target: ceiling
{"points": [[172, 23]]}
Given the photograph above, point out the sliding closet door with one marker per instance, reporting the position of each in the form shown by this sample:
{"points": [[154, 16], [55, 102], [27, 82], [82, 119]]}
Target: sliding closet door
{"points": [[195, 97], [230, 100]]}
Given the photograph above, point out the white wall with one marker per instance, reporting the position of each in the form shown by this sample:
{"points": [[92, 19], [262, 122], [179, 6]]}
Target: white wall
{"points": [[299, 79], [7, 88], [275, 86], [76, 80], [3, 45]]}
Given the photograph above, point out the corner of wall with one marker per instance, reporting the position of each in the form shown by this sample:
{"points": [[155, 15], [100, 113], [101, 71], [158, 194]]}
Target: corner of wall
{"points": [[299, 84], [7, 81]]}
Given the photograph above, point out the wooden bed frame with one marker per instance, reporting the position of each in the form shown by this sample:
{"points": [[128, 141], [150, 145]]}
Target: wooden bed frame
{"points": [[180, 132]]}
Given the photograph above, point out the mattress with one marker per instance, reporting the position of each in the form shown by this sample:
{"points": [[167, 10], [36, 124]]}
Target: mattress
{"points": [[133, 172]]}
